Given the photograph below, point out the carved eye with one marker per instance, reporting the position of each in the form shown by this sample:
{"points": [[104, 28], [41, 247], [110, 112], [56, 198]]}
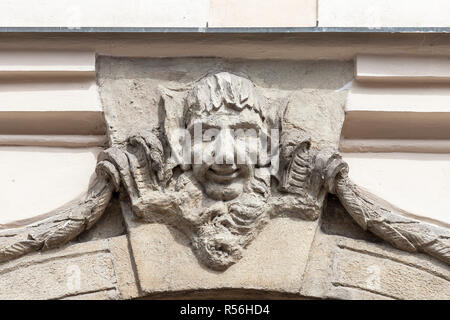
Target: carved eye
{"points": [[209, 134]]}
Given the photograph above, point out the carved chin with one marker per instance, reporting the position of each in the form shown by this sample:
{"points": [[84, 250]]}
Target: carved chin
{"points": [[223, 192]]}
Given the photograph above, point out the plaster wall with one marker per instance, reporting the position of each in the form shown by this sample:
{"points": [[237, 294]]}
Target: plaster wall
{"points": [[383, 13], [158, 13], [38, 180], [221, 13], [415, 182], [265, 13], [104, 13]]}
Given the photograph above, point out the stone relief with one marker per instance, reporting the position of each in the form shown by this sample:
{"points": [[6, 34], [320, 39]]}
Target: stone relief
{"points": [[219, 202]]}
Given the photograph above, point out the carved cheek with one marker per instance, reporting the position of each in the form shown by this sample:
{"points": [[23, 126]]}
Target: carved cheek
{"points": [[203, 158], [247, 151], [209, 153]]}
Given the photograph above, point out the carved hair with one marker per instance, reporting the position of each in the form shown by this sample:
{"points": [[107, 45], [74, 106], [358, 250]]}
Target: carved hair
{"points": [[223, 89]]}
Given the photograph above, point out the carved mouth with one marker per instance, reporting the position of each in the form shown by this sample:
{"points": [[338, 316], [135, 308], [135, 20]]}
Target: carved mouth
{"points": [[223, 174]]}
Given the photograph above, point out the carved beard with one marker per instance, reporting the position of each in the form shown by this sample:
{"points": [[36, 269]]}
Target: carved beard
{"points": [[221, 230], [219, 242]]}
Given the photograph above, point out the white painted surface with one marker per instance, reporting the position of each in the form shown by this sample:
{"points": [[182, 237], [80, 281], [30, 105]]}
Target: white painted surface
{"points": [[34, 95], [49, 92], [376, 68], [103, 13], [224, 13], [28, 61], [405, 97], [398, 97], [416, 183], [37, 180], [400, 111], [384, 13], [262, 13]]}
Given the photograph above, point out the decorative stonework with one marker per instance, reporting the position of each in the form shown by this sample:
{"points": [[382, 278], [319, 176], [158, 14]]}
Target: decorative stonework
{"points": [[223, 207]]}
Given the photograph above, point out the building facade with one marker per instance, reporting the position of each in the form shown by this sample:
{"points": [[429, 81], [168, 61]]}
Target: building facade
{"points": [[224, 149]]}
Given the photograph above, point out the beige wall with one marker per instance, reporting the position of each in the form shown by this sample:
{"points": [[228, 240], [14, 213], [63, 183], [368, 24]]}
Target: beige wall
{"points": [[384, 13], [103, 13], [417, 183], [224, 13], [158, 13], [262, 13], [396, 136], [37, 180]]}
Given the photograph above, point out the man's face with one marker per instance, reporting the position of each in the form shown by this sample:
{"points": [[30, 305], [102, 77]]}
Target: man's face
{"points": [[225, 150]]}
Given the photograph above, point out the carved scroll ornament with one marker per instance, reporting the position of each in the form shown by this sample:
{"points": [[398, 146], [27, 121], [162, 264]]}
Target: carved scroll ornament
{"points": [[222, 207]]}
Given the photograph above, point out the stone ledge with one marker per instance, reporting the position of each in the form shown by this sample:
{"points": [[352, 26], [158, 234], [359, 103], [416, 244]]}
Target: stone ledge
{"points": [[96, 269]]}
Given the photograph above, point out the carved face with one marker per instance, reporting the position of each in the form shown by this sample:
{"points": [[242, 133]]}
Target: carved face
{"points": [[225, 195], [225, 148]]}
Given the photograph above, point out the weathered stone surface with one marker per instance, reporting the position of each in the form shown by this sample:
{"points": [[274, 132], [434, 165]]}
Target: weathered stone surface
{"points": [[274, 262], [393, 278], [110, 225], [206, 227], [130, 97], [207, 169], [346, 268], [124, 268], [96, 269], [310, 107], [100, 295]]}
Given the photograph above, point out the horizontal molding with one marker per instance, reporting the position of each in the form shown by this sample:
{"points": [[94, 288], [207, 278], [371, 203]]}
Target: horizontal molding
{"points": [[399, 97], [47, 63], [395, 145], [69, 141], [49, 95], [404, 99], [396, 125], [52, 122], [376, 68]]}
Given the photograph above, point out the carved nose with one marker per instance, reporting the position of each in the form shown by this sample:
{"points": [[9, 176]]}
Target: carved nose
{"points": [[226, 147]]}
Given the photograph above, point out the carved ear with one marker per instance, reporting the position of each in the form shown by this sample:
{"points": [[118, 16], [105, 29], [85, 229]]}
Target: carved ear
{"points": [[173, 105]]}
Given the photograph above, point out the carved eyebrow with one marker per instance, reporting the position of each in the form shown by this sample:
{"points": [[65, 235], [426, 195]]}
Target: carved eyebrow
{"points": [[248, 124], [205, 125], [245, 125]]}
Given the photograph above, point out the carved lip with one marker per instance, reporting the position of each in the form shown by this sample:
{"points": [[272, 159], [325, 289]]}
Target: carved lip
{"points": [[223, 173]]}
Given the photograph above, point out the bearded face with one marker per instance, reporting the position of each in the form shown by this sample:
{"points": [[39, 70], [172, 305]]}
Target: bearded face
{"points": [[225, 150], [223, 146]]}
